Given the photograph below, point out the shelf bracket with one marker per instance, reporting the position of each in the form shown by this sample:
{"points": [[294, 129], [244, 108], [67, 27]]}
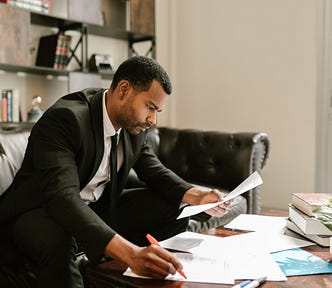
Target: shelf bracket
{"points": [[151, 51], [82, 42]]}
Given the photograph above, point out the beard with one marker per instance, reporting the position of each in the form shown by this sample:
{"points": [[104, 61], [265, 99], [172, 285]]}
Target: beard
{"points": [[127, 120]]}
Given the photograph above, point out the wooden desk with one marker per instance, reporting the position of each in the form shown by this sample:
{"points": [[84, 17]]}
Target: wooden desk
{"points": [[110, 274]]}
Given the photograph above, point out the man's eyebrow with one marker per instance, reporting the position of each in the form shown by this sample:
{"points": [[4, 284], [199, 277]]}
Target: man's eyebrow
{"points": [[155, 106]]}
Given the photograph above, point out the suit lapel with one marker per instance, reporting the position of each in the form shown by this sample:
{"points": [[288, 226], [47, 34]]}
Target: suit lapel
{"points": [[98, 129]]}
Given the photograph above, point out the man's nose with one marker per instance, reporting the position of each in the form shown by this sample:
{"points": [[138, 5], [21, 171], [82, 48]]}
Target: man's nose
{"points": [[152, 118]]}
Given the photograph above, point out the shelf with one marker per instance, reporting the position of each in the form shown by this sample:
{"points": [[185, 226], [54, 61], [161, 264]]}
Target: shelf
{"points": [[44, 71], [17, 126], [105, 31], [33, 70]]}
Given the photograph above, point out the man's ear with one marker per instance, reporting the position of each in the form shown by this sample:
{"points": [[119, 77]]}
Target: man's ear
{"points": [[124, 87]]}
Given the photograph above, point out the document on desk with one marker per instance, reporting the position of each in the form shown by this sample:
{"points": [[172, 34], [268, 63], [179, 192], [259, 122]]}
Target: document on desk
{"points": [[251, 182], [224, 267], [199, 268], [258, 223], [211, 259]]}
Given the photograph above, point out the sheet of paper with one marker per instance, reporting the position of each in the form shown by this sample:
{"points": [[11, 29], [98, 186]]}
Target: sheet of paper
{"points": [[251, 182], [268, 242], [251, 222], [202, 244]]}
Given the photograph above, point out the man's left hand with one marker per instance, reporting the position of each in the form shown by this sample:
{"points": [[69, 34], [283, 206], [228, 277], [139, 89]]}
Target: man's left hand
{"points": [[196, 196]]}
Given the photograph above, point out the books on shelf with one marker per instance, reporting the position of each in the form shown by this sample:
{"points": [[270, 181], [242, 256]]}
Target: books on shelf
{"points": [[323, 240], [42, 6], [308, 224], [308, 202], [10, 107], [54, 51]]}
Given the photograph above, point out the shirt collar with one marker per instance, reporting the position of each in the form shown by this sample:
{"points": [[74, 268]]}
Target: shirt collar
{"points": [[108, 126]]}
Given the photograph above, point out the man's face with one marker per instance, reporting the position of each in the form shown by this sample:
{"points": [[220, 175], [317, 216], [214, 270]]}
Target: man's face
{"points": [[139, 111]]}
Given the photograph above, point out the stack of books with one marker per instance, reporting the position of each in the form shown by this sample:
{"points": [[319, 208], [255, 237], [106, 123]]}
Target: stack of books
{"points": [[302, 220], [54, 51], [10, 110]]}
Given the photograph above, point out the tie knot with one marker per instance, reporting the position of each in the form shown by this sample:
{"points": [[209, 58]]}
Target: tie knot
{"points": [[114, 139]]}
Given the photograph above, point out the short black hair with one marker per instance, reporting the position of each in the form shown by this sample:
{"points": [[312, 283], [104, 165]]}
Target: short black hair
{"points": [[140, 71]]}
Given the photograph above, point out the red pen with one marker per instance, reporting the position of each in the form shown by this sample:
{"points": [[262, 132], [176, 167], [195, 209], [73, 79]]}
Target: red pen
{"points": [[154, 241]]}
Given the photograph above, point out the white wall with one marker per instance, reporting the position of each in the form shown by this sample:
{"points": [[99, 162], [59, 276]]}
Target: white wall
{"points": [[243, 65]]}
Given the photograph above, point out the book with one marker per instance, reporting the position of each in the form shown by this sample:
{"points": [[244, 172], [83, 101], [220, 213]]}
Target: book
{"points": [[16, 105], [308, 202], [42, 6], [322, 240], [47, 50], [4, 106], [9, 94], [308, 224]]}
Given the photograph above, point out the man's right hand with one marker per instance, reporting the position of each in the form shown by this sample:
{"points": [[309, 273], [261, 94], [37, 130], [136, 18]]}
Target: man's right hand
{"points": [[152, 261]]}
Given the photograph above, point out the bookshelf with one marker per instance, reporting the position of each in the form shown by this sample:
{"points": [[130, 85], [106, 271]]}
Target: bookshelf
{"points": [[108, 19]]}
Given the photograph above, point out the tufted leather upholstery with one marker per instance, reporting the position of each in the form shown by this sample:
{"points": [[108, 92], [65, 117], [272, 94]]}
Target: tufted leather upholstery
{"points": [[215, 159]]}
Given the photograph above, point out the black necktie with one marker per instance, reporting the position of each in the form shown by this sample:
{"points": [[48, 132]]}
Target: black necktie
{"points": [[113, 176]]}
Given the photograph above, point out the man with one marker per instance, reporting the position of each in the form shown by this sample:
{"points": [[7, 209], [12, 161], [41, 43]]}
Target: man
{"points": [[63, 189]]}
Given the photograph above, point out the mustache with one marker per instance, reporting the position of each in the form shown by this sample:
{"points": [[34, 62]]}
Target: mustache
{"points": [[147, 125]]}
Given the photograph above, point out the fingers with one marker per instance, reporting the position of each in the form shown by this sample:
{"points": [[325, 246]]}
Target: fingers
{"points": [[222, 208], [165, 259], [156, 262]]}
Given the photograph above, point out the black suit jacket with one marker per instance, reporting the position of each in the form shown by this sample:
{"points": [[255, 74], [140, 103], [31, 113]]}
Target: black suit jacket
{"points": [[64, 151]]}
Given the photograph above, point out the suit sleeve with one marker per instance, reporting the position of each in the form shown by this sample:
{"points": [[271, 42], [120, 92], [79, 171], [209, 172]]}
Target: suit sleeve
{"points": [[54, 145], [161, 179]]}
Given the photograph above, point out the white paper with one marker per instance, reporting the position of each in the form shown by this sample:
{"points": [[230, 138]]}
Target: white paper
{"points": [[251, 182], [251, 222], [199, 269], [267, 242]]}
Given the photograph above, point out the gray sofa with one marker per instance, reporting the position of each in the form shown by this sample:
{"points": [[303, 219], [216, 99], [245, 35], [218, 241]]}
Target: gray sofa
{"points": [[205, 158]]}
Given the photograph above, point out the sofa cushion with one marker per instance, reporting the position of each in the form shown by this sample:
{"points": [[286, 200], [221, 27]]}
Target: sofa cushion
{"points": [[12, 148]]}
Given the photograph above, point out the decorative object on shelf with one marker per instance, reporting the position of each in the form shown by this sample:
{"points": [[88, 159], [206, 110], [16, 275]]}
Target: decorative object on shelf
{"points": [[35, 113], [101, 63]]}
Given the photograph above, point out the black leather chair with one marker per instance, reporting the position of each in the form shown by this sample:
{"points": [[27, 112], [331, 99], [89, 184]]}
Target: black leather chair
{"points": [[212, 159]]}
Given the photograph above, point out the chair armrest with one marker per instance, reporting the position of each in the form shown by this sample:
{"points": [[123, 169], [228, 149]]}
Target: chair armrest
{"points": [[214, 159]]}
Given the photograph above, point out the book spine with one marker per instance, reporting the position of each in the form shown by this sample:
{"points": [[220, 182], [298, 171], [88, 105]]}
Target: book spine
{"points": [[59, 52], [16, 105], [34, 5], [4, 106], [9, 94], [66, 51], [0, 106]]}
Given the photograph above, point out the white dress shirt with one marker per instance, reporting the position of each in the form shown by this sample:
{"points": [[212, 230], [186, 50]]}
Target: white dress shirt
{"points": [[93, 190]]}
